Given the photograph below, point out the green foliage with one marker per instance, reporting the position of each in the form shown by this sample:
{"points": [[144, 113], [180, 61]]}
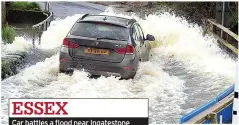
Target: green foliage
{"points": [[234, 13], [24, 6], [9, 66], [8, 34], [194, 11]]}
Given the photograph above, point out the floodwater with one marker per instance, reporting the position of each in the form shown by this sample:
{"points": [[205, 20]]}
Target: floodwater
{"points": [[185, 70]]}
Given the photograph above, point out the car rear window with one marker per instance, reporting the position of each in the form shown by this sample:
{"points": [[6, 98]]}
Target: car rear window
{"points": [[99, 30]]}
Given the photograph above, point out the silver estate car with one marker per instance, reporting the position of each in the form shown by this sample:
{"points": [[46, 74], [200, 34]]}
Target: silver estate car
{"points": [[105, 45]]}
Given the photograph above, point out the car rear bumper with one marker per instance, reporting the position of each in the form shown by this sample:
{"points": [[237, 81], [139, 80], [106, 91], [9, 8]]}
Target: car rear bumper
{"points": [[125, 69]]}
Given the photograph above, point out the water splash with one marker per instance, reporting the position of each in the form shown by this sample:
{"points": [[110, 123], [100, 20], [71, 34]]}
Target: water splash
{"points": [[18, 45], [182, 65]]}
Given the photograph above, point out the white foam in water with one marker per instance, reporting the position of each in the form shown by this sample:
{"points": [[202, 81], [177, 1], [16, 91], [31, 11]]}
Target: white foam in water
{"points": [[19, 44], [58, 30], [185, 41], [166, 92]]}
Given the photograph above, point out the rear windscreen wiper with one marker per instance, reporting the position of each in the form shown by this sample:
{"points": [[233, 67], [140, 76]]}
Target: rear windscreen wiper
{"points": [[98, 38]]}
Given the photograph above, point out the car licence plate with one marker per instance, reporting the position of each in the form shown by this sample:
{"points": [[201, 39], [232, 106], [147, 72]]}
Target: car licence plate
{"points": [[96, 51]]}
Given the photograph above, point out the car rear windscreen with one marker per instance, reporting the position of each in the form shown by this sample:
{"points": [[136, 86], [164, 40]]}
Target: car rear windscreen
{"points": [[100, 30]]}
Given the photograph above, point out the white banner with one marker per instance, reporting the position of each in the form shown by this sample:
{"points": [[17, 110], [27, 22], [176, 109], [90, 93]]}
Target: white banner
{"points": [[78, 108]]}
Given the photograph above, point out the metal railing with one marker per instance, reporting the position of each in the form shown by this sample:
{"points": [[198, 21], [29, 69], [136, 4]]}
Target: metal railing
{"points": [[47, 7], [39, 28], [224, 35], [218, 110], [215, 113]]}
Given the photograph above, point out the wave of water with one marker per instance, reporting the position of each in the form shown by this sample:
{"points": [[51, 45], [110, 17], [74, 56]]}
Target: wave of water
{"points": [[184, 71], [18, 45]]}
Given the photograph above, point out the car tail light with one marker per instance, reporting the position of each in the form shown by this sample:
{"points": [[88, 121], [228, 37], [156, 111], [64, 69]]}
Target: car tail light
{"points": [[129, 49], [69, 44], [127, 67], [120, 50], [63, 60]]}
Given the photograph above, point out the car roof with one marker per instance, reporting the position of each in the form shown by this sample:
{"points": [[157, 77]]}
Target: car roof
{"points": [[120, 21]]}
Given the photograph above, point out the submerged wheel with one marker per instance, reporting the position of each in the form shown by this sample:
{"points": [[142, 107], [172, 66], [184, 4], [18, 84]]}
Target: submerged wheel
{"points": [[66, 71], [131, 76]]}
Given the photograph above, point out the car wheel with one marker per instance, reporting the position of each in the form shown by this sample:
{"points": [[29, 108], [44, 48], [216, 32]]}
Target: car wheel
{"points": [[66, 71], [131, 76]]}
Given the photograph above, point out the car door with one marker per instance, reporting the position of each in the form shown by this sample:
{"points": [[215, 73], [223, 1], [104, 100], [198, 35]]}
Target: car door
{"points": [[137, 40], [144, 46]]}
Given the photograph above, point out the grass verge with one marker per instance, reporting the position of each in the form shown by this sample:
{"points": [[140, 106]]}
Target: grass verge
{"points": [[8, 34], [24, 6]]}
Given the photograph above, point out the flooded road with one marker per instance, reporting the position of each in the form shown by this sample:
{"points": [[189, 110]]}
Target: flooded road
{"points": [[185, 70], [63, 9]]}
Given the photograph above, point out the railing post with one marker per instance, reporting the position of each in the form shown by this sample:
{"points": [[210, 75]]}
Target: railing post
{"points": [[220, 121], [49, 23], [212, 117], [46, 24], [45, 6], [39, 35], [48, 7], [214, 29], [223, 11], [52, 16], [42, 26], [33, 38]]}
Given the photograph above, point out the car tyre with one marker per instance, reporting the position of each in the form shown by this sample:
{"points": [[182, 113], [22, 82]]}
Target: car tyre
{"points": [[131, 76], [66, 71]]}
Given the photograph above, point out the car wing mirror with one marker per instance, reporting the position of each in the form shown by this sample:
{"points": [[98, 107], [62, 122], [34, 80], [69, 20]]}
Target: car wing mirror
{"points": [[150, 37]]}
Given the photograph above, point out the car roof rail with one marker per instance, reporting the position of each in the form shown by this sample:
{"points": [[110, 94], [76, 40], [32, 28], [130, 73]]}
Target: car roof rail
{"points": [[81, 18], [131, 21], [85, 15]]}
